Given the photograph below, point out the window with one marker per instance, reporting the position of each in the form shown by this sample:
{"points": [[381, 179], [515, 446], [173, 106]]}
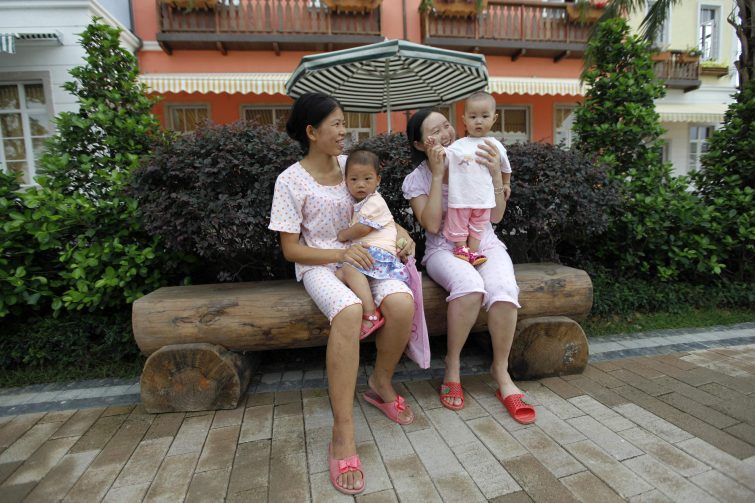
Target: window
{"points": [[663, 36], [564, 122], [708, 32], [513, 124], [698, 144], [24, 126], [186, 118], [358, 127], [269, 116]]}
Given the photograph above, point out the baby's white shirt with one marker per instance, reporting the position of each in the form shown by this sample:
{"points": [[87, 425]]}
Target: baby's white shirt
{"points": [[469, 183]]}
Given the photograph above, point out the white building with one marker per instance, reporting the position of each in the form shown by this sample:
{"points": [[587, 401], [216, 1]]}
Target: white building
{"points": [[698, 90], [39, 44]]}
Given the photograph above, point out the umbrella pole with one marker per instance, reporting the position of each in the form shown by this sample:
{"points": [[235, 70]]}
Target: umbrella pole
{"points": [[388, 97]]}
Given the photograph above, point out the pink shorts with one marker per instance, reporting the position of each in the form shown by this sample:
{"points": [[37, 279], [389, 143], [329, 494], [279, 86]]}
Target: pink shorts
{"points": [[463, 222], [332, 296], [494, 279]]}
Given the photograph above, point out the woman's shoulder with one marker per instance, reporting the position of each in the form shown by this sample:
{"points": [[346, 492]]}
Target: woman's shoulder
{"points": [[417, 183]]}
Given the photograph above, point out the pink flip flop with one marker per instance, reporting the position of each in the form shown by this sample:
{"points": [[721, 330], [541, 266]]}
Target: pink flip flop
{"points": [[390, 409], [340, 466], [377, 321]]}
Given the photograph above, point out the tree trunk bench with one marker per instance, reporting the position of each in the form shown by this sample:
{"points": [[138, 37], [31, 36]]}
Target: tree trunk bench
{"points": [[192, 332]]}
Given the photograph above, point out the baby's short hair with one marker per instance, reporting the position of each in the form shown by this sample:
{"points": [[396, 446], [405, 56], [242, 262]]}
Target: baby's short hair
{"points": [[363, 156], [479, 96]]}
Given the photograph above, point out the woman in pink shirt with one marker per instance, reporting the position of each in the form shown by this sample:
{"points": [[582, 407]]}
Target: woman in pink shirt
{"points": [[310, 205], [492, 285]]}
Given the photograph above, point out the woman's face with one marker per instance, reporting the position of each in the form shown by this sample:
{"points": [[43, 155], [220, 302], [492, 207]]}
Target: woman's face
{"points": [[436, 126], [329, 136]]}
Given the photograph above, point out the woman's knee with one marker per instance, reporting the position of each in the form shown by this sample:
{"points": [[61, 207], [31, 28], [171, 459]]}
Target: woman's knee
{"points": [[399, 305], [347, 321]]}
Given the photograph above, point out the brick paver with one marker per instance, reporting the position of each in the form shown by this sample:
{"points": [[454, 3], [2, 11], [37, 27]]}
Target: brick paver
{"points": [[672, 427]]}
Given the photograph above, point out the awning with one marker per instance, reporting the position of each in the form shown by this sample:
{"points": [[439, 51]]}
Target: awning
{"points": [[539, 86], [274, 83], [8, 42], [203, 83], [698, 112]]}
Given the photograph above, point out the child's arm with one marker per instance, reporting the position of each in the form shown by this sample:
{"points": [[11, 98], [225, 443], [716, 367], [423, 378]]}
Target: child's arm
{"points": [[354, 232]]}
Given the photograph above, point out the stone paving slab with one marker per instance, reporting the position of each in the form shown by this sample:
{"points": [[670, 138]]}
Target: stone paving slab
{"points": [[666, 427]]}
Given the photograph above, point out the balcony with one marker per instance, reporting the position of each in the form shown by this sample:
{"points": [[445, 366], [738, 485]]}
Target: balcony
{"points": [[677, 69], [510, 28], [263, 25]]}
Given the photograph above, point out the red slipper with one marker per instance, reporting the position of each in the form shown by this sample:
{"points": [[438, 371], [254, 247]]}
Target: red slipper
{"points": [[451, 390], [518, 410], [340, 466], [377, 321], [390, 409]]}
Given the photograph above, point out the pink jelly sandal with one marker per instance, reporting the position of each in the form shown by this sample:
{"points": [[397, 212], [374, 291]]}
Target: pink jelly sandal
{"points": [[518, 410], [341, 466], [377, 321], [463, 253], [390, 409], [477, 258]]}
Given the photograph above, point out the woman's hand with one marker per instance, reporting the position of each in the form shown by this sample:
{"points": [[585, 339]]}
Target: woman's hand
{"points": [[488, 156], [408, 244], [436, 157], [357, 255]]}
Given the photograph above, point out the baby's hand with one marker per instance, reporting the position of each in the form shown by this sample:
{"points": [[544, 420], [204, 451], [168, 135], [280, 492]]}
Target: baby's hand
{"points": [[342, 236]]}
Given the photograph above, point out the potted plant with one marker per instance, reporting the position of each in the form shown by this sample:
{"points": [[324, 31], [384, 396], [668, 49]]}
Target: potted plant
{"points": [[661, 56], [714, 68], [586, 11], [690, 56], [353, 6], [456, 8], [191, 4]]}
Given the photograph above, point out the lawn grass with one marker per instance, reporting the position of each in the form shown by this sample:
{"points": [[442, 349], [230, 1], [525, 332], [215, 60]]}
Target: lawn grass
{"points": [[95, 370], [692, 318]]}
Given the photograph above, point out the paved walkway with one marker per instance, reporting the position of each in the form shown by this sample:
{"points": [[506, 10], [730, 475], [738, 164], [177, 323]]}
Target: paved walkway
{"points": [[666, 427]]}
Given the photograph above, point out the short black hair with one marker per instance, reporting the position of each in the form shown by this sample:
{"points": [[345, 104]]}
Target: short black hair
{"points": [[479, 96], [365, 157], [309, 109]]}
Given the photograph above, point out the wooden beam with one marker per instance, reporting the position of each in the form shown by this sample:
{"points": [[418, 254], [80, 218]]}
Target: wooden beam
{"points": [[221, 47], [518, 53], [277, 48], [165, 47]]}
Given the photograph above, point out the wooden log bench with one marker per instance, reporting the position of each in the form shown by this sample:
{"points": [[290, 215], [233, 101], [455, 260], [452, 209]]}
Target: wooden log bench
{"points": [[193, 334]]}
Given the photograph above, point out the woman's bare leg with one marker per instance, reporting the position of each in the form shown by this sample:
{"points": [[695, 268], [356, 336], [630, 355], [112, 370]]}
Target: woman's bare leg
{"points": [[342, 362], [502, 324], [398, 310], [462, 314]]}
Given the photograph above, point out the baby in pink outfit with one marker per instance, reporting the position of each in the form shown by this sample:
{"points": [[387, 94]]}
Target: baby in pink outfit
{"points": [[373, 227], [471, 195]]}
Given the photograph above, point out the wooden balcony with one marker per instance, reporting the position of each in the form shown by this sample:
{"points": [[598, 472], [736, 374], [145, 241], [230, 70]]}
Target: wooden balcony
{"points": [[263, 25], [512, 28], [678, 70]]}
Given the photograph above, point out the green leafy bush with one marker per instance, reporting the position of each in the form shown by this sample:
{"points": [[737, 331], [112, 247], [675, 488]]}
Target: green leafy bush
{"points": [[560, 204], [726, 182], [661, 229], [624, 296], [209, 194], [76, 340]]}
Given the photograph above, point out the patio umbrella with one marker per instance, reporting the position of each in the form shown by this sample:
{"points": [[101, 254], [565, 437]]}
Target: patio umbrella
{"points": [[390, 76]]}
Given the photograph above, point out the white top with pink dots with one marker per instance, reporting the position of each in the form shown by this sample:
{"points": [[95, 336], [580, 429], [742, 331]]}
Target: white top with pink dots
{"points": [[315, 212]]}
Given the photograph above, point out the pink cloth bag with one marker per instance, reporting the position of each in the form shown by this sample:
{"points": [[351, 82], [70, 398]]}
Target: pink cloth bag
{"points": [[418, 348]]}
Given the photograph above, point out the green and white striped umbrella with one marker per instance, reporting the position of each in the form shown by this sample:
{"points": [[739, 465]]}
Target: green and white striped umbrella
{"points": [[390, 76]]}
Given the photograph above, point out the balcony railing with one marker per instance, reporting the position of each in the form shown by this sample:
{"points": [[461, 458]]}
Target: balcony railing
{"points": [[264, 24], [678, 69], [510, 27]]}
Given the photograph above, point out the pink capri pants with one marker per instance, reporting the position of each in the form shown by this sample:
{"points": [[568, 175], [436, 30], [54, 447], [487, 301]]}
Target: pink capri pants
{"points": [[332, 296], [494, 279]]}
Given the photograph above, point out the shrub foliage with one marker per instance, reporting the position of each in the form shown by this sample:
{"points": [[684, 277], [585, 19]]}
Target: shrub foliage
{"points": [[209, 194]]}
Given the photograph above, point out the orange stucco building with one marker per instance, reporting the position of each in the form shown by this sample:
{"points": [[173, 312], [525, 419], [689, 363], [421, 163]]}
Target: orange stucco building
{"points": [[226, 60]]}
